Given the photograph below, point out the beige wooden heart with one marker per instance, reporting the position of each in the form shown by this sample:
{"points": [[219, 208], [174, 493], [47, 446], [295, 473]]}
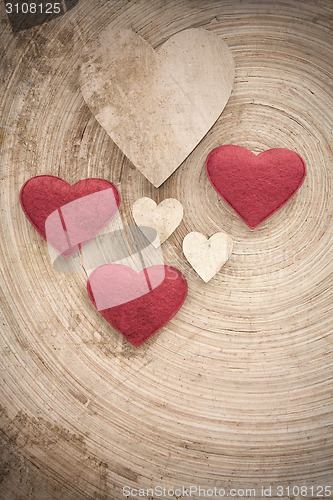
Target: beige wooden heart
{"points": [[207, 256], [156, 105], [165, 217]]}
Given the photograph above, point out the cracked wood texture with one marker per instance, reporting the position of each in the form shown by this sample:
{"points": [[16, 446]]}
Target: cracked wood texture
{"points": [[237, 388]]}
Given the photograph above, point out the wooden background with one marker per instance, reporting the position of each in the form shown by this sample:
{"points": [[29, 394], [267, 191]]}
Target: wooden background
{"points": [[237, 388]]}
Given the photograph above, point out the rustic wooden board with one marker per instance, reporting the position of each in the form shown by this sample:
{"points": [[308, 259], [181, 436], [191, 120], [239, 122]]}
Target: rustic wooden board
{"points": [[238, 387]]}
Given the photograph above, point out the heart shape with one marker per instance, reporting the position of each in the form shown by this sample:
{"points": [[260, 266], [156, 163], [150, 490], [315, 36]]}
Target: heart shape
{"points": [[156, 105], [137, 305], [68, 216], [255, 186], [165, 217], [207, 256]]}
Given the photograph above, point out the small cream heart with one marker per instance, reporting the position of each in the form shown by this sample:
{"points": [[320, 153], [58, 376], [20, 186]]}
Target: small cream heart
{"points": [[165, 217], [207, 256]]}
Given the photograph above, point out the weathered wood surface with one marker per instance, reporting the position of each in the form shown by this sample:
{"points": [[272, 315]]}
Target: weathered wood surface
{"points": [[238, 386]]}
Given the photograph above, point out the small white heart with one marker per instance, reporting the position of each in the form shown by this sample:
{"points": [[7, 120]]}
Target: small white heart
{"points": [[156, 105], [165, 217], [207, 256]]}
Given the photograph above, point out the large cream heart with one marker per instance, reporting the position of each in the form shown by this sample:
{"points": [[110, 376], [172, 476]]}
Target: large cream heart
{"points": [[165, 217], [207, 256], [156, 105]]}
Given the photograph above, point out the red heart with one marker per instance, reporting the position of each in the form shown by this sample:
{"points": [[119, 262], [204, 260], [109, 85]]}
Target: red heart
{"points": [[137, 305], [68, 216], [255, 187]]}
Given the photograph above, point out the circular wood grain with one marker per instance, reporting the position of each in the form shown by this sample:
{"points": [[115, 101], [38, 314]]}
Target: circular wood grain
{"points": [[237, 389]]}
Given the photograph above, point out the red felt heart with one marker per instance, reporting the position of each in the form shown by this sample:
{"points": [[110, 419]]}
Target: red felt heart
{"points": [[68, 216], [255, 187], [137, 305]]}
